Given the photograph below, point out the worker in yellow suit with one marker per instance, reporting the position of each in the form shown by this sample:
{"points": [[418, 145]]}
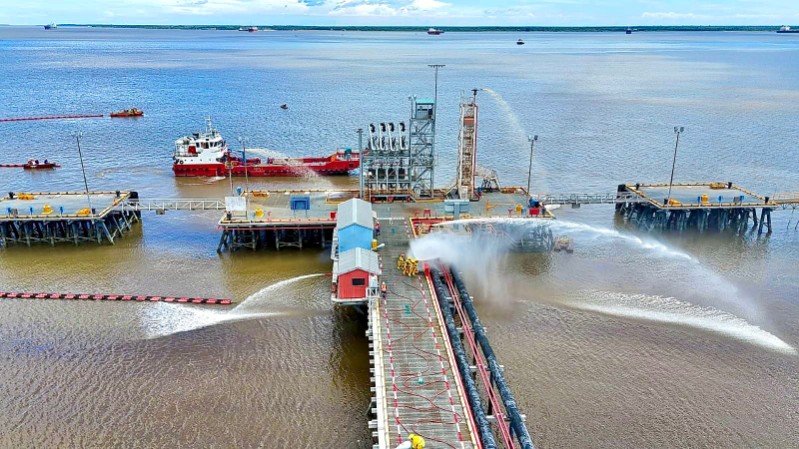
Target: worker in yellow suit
{"points": [[417, 442], [413, 442], [400, 261]]}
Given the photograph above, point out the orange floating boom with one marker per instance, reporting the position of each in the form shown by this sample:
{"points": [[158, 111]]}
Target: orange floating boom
{"points": [[50, 117], [94, 297]]}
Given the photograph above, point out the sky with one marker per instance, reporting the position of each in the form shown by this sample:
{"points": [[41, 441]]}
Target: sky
{"points": [[403, 12]]}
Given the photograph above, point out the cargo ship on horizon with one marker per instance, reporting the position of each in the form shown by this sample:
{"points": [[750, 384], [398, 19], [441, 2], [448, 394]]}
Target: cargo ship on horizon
{"points": [[786, 29], [207, 154]]}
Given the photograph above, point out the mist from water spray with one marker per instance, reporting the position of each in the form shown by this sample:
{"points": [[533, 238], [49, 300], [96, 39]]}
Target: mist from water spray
{"points": [[672, 311], [306, 173], [482, 259], [704, 294], [518, 137], [162, 319]]}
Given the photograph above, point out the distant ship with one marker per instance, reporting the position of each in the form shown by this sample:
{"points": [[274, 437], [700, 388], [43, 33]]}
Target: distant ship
{"points": [[520, 42], [787, 29], [628, 31], [250, 29], [51, 26], [434, 32]]}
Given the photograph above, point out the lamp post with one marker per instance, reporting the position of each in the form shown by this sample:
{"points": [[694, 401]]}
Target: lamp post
{"points": [[533, 140], [360, 161], [243, 141], [435, 89], [78, 135], [677, 130]]}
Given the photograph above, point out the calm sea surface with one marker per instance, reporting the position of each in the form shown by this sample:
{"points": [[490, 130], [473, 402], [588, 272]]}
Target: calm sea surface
{"points": [[633, 341]]}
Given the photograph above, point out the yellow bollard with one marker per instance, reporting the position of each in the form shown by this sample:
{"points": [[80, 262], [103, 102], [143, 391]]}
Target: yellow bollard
{"points": [[47, 210]]}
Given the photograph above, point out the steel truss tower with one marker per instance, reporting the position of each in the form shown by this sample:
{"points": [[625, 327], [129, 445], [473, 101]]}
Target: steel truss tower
{"points": [[398, 161]]}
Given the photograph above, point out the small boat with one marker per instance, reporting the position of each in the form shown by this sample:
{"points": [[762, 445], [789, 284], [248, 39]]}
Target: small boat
{"points": [[132, 112], [434, 32], [520, 42], [284, 106], [628, 31], [786, 29], [564, 244], [51, 26], [34, 164]]}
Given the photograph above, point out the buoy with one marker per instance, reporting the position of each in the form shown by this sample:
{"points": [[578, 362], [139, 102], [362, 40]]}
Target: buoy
{"points": [[259, 212]]}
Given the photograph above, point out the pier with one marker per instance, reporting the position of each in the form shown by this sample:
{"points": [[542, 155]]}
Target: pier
{"points": [[430, 372], [65, 217], [711, 206]]}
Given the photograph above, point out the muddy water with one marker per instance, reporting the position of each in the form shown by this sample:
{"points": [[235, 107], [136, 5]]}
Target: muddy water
{"points": [[629, 342]]}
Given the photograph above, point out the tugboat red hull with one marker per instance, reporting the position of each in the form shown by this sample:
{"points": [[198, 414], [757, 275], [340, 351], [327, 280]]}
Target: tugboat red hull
{"points": [[330, 166]]}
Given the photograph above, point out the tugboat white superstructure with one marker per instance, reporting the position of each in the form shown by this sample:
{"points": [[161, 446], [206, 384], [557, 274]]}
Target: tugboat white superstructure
{"points": [[207, 154]]}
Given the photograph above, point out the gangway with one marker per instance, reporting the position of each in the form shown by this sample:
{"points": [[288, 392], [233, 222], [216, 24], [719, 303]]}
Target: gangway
{"points": [[163, 204], [578, 199], [417, 388]]}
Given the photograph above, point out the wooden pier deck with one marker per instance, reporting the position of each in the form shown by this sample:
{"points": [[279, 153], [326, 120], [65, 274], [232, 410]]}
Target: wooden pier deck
{"points": [[417, 385]]}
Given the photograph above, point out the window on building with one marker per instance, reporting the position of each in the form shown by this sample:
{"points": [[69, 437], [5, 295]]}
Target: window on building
{"points": [[358, 281]]}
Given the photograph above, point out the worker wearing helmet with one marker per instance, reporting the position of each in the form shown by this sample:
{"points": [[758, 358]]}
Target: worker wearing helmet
{"points": [[401, 261]]}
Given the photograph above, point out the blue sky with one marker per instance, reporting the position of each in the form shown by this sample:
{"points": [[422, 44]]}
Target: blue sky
{"points": [[404, 12]]}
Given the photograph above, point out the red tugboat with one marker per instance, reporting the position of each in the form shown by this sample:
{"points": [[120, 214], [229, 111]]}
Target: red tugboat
{"points": [[132, 112], [207, 154]]}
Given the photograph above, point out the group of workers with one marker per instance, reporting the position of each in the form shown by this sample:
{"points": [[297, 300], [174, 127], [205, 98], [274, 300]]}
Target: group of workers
{"points": [[408, 265]]}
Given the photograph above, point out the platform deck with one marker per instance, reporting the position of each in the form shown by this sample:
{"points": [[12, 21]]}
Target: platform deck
{"points": [[71, 202], [689, 196], [419, 389]]}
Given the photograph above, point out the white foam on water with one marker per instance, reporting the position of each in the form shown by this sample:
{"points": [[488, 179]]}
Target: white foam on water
{"points": [[669, 310], [163, 319]]}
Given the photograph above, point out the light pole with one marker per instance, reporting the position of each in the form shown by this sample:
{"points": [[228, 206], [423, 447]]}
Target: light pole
{"points": [[435, 89], [243, 141], [677, 130], [360, 161], [78, 135], [533, 140]]}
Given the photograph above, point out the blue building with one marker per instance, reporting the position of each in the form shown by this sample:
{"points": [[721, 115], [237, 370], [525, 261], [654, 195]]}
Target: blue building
{"points": [[354, 225]]}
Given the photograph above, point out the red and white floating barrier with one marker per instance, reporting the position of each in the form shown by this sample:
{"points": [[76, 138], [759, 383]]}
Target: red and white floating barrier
{"points": [[97, 297]]}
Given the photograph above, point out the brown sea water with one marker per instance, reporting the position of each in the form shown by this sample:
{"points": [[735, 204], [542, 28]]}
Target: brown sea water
{"points": [[633, 341]]}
